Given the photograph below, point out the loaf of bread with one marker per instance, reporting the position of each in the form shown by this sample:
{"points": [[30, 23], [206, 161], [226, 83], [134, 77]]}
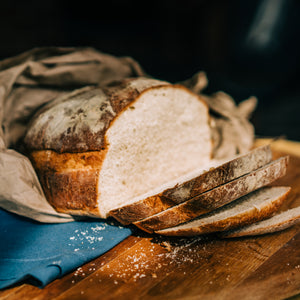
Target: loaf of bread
{"points": [[140, 151], [96, 150]]}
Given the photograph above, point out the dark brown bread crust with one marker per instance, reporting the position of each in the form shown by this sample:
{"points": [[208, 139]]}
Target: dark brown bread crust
{"points": [[69, 139], [191, 188], [233, 222], [215, 198], [77, 136]]}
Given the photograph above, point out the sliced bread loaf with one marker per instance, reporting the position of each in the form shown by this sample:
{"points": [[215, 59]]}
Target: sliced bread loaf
{"points": [[248, 209], [191, 185], [95, 149], [215, 198], [276, 223]]}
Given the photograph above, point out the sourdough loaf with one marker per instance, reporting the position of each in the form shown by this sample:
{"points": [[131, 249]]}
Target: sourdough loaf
{"points": [[140, 150], [255, 206], [215, 198], [192, 184], [95, 149]]}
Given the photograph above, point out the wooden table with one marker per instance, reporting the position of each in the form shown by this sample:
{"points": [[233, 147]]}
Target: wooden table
{"points": [[152, 267]]}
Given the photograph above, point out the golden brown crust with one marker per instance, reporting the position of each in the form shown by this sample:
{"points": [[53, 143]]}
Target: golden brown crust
{"points": [[191, 188], [70, 180], [50, 160], [215, 198], [73, 192], [239, 220]]}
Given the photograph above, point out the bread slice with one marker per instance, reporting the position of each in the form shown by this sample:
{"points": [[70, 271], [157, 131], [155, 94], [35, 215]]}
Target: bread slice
{"points": [[191, 185], [248, 209], [276, 223], [215, 198], [95, 149]]}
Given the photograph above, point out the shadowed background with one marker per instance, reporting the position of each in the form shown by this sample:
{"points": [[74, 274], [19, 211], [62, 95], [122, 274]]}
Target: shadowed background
{"points": [[246, 47]]}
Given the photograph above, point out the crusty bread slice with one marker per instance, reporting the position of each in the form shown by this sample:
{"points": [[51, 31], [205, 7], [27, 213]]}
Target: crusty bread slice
{"points": [[98, 149], [276, 223], [191, 185], [215, 198], [248, 209]]}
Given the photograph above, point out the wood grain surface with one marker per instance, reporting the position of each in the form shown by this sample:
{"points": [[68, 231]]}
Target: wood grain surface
{"points": [[207, 267]]}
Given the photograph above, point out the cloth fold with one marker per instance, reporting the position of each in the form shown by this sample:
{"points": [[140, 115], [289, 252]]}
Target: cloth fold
{"points": [[43, 252]]}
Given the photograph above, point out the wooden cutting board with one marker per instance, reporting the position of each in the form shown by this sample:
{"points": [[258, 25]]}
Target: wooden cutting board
{"points": [[153, 267]]}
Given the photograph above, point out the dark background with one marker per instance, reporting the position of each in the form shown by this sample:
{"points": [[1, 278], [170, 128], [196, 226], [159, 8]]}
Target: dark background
{"points": [[245, 47]]}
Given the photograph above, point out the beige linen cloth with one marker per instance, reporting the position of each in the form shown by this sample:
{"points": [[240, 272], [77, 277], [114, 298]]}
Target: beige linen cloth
{"points": [[33, 78]]}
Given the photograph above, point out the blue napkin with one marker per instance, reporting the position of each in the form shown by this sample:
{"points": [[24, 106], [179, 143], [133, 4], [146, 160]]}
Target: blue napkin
{"points": [[44, 252]]}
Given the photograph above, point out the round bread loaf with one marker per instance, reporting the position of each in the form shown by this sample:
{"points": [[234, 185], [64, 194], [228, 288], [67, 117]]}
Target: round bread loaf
{"points": [[95, 149]]}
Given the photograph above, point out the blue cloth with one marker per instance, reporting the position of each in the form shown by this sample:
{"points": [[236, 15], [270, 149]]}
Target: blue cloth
{"points": [[44, 252]]}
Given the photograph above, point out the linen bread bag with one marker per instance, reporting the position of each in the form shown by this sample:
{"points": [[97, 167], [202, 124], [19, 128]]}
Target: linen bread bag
{"points": [[132, 150]]}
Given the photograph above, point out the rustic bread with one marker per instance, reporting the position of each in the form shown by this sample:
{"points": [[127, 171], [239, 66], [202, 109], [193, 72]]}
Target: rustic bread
{"points": [[276, 223], [248, 209], [95, 149], [192, 184], [215, 198]]}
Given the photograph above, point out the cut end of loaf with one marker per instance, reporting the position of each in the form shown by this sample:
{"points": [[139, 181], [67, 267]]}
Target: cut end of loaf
{"points": [[162, 135]]}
